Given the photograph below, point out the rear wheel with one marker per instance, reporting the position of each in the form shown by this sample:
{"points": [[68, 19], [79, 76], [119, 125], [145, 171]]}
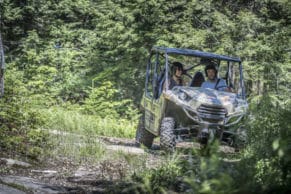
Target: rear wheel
{"points": [[143, 136], [167, 136]]}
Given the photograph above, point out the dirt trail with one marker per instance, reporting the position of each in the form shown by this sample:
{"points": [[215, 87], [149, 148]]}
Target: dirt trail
{"points": [[64, 175]]}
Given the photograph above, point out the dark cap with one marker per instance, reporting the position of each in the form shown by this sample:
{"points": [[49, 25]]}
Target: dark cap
{"points": [[210, 65]]}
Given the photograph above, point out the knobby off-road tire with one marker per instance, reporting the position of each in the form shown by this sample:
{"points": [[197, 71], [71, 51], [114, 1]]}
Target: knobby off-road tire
{"points": [[143, 136], [240, 139], [167, 136]]}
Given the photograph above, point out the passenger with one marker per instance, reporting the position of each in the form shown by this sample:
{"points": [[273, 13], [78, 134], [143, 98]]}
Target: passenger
{"points": [[213, 81], [177, 75], [197, 80]]}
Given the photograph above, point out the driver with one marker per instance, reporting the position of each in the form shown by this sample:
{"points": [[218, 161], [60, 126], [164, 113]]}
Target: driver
{"points": [[213, 82]]}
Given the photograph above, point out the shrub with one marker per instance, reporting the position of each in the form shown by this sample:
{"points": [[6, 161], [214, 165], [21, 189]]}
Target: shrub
{"points": [[19, 119], [104, 101], [269, 131]]}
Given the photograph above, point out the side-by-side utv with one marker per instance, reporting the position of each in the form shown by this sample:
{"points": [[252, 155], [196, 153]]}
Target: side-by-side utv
{"points": [[190, 112]]}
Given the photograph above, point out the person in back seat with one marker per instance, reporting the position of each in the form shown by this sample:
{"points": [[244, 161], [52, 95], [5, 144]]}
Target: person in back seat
{"points": [[197, 80]]}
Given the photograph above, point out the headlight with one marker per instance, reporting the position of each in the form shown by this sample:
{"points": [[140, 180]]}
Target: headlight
{"points": [[183, 96]]}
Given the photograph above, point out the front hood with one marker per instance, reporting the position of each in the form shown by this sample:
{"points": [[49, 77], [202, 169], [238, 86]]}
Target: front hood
{"points": [[193, 97]]}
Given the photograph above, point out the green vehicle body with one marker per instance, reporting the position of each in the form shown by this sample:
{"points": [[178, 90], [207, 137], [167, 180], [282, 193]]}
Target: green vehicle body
{"points": [[190, 112]]}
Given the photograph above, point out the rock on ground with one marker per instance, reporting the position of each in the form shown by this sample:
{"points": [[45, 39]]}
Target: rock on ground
{"points": [[35, 186], [4, 189]]}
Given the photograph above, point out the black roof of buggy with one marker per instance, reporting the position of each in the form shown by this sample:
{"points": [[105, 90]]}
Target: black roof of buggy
{"points": [[195, 53]]}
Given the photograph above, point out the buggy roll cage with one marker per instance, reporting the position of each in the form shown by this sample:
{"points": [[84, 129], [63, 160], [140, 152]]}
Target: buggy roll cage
{"points": [[194, 53]]}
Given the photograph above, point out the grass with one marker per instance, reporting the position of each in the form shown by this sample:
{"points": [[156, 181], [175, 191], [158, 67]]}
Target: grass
{"points": [[76, 122], [75, 135], [77, 148]]}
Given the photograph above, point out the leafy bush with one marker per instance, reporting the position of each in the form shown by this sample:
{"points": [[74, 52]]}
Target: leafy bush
{"points": [[192, 174], [104, 102], [161, 179], [19, 119], [269, 131]]}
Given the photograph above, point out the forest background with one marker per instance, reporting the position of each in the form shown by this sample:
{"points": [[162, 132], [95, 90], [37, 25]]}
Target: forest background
{"points": [[79, 65]]}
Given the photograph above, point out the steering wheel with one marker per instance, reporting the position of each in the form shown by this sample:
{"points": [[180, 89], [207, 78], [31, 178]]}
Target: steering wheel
{"points": [[228, 88], [221, 87]]}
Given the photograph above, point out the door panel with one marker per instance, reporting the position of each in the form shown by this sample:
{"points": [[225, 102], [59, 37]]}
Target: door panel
{"points": [[153, 102], [154, 109]]}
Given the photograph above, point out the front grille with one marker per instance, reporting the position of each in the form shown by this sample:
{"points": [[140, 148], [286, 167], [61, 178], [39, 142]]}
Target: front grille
{"points": [[212, 114]]}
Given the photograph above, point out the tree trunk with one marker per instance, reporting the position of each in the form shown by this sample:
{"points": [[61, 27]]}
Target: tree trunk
{"points": [[2, 67]]}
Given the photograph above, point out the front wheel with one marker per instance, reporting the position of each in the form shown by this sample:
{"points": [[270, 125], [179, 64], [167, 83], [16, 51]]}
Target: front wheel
{"points": [[240, 139], [167, 136]]}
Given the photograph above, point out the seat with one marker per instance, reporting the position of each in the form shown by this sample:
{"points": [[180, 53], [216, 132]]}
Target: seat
{"points": [[197, 80]]}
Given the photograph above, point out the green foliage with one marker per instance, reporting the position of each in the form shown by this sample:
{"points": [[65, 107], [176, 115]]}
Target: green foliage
{"points": [[83, 39], [209, 174], [268, 135], [76, 122], [267, 172], [105, 102], [55, 49], [162, 179], [79, 146], [192, 173], [37, 142], [19, 119]]}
